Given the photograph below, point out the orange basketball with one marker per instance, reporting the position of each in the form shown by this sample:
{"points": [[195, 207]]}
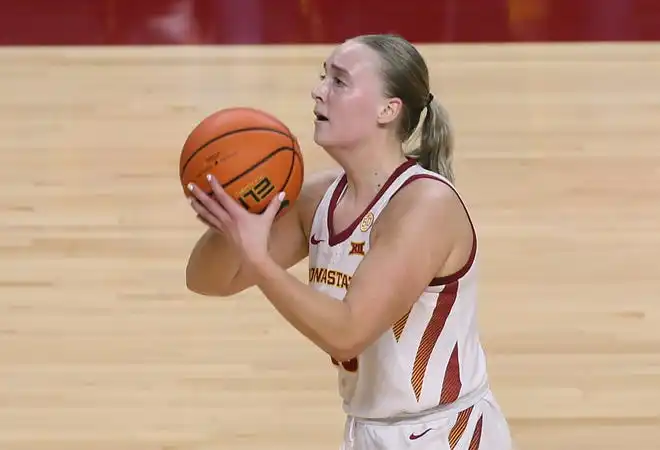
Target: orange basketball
{"points": [[252, 154]]}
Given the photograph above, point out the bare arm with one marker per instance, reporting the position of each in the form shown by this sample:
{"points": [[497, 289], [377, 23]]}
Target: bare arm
{"points": [[383, 288], [215, 267]]}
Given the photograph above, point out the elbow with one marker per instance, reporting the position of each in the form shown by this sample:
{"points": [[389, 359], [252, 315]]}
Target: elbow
{"points": [[347, 347], [344, 356], [206, 290], [198, 288], [198, 283], [195, 286], [350, 339], [193, 281]]}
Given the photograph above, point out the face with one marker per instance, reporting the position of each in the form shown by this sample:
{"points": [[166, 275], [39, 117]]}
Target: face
{"points": [[348, 101]]}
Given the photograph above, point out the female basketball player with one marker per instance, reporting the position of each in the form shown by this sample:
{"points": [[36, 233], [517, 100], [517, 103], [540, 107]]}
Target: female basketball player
{"points": [[392, 282]]}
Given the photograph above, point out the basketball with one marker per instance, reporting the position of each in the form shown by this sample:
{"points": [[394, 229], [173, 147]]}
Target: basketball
{"points": [[251, 153]]}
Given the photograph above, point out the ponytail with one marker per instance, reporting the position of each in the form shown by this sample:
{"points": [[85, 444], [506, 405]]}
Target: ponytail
{"points": [[435, 151]]}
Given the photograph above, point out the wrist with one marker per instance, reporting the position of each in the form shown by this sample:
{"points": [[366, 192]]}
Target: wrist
{"points": [[260, 264]]}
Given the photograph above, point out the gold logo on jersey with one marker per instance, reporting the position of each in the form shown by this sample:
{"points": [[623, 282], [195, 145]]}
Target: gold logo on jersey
{"points": [[367, 222], [335, 278], [357, 248]]}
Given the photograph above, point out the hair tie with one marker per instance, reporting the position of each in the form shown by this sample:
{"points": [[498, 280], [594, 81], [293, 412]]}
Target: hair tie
{"points": [[429, 100]]}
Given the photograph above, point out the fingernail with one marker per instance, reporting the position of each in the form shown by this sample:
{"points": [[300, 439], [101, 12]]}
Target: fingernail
{"points": [[281, 196], [190, 187], [209, 177]]}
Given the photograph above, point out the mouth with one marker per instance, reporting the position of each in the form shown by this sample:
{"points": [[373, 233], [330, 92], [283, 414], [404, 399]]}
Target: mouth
{"points": [[320, 117]]}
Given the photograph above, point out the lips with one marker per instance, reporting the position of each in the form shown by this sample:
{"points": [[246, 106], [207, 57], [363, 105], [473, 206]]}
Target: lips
{"points": [[320, 117]]}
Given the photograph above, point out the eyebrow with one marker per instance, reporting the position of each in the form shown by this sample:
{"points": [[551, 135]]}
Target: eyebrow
{"points": [[336, 68]]}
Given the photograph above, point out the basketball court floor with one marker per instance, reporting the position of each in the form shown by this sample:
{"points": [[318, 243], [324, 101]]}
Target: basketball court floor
{"points": [[102, 347]]}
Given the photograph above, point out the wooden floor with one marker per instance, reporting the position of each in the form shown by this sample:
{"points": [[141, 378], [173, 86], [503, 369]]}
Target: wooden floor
{"points": [[102, 347]]}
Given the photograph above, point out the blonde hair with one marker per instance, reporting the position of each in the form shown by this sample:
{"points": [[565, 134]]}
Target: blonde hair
{"points": [[406, 76]]}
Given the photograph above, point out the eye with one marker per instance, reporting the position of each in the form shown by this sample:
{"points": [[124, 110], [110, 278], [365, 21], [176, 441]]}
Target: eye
{"points": [[322, 76], [338, 81]]}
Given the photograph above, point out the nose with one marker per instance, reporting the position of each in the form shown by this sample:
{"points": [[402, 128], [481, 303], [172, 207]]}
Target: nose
{"points": [[319, 91]]}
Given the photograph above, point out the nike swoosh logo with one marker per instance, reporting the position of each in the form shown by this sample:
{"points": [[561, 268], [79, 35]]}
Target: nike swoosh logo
{"points": [[414, 436], [315, 241]]}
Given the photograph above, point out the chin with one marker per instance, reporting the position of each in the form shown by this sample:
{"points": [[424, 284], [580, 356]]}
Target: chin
{"points": [[328, 142], [330, 147], [323, 141]]}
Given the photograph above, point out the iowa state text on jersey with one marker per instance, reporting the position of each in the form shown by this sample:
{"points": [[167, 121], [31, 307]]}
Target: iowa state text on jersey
{"points": [[322, 275]]}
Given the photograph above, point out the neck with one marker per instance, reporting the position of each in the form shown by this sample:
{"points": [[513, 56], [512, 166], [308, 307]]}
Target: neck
{"points": [[369, 167]]}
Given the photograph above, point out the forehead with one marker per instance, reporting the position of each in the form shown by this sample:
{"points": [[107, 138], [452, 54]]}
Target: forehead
{"points": [[355, 58]]}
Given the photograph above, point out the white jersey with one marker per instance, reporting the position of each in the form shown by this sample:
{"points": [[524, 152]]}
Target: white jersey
{"points": [[431, 358]]}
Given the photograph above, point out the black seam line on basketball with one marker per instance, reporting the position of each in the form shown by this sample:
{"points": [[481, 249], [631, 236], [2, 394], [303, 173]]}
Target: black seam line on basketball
{"points": [[255, 165], [293, 159], [294, 155], [229, 133]]}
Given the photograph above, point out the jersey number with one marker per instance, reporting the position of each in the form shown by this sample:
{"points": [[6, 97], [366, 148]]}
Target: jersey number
{"points": [[256, 192], [349, 366]]}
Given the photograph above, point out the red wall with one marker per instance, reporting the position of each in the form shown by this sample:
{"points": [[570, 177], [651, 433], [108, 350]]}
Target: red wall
{"points": [[126, 22]]}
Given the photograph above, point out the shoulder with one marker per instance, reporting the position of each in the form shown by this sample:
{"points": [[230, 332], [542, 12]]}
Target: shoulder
{"points": [[314, 188], [424, 197], [422, 206]]}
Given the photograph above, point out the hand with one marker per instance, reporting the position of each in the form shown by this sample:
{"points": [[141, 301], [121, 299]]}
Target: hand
{"points": [[247, 231]]}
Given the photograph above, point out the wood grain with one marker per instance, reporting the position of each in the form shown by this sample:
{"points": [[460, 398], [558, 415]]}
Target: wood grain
{"points": [[102, 347]]}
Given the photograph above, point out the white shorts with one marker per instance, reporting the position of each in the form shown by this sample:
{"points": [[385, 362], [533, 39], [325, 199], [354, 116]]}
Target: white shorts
{"points": [[478, 427]]}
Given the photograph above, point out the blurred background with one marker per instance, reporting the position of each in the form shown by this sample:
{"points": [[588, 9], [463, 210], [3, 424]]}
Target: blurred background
{"points": [[127, 22], [556, 109]]}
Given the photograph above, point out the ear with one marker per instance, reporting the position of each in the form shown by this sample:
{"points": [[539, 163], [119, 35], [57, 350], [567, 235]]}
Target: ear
{"points": [[390, 111]]}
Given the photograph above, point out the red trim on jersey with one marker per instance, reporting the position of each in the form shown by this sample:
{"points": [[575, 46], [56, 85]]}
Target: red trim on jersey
{"points": [[399, 325], [448, 279], [476, 437], [459, 427], [334, 239], [451, 385], [443, 307]]}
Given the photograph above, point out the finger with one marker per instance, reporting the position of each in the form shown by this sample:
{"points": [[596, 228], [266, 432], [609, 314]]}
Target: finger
{"points": [[226, 201], [204, 221], [200, 196], [205, 215], [209, 225], [209, 203], [274, 206], [209, 220], [200, 210]]}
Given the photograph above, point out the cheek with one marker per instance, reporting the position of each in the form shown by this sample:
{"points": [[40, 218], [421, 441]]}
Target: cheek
{"points": [[358, 113], [364, 120]]}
